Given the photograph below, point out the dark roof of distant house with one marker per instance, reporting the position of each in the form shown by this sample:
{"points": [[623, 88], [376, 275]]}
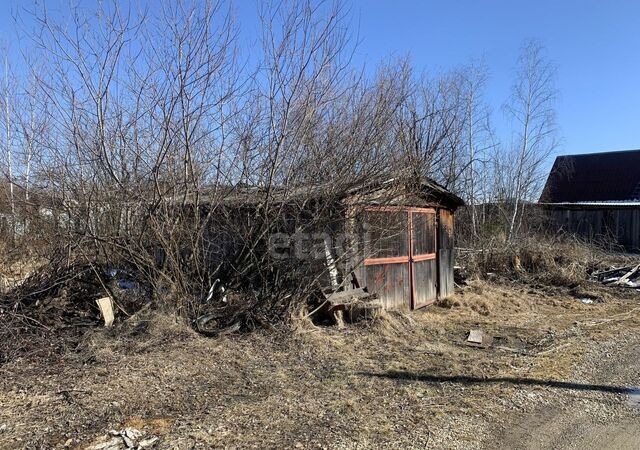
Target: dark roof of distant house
{"points": [[594, 177]]}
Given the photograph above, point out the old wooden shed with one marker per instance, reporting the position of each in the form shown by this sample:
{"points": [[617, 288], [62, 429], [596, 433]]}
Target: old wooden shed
{"points": [[407, 252], [393, 237], [596, 196]]}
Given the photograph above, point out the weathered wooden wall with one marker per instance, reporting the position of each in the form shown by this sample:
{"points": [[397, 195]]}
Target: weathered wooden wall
{"points": [[391, 283], [425, 279], [385, 267], [445, 253], [618, 225]]}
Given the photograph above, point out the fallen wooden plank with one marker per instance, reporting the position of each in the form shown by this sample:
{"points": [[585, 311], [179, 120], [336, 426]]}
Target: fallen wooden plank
{"points": [[348, 294], [477, 338], [610, 271]]}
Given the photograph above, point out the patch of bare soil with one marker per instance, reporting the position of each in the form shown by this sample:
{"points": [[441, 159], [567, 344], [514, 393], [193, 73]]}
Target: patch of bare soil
{"points": [[404, 381]]}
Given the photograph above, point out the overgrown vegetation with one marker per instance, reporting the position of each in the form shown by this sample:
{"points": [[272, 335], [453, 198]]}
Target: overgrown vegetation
{"points": [[152, 148], [562, 261]]}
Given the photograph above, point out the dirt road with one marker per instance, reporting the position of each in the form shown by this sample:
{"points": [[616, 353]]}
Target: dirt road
{"points": [[601, 416]]}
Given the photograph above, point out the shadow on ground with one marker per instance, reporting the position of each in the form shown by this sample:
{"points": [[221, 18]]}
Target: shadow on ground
{"points": [[468, 380]]}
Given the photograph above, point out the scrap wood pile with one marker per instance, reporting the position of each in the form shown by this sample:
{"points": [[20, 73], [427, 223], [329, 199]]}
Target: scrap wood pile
{"points": [[51, 309], [353, 303], [627, 276], [129, 438], [63, 300]]}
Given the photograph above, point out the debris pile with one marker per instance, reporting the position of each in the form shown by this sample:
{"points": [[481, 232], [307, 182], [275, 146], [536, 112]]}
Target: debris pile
{"points": [[128, 438], [460, 275], [77, 295], [628, 276], [354, 305], [65, 300], [225, 311]]}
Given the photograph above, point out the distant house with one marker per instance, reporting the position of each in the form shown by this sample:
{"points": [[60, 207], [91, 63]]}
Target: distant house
{"points": [[596, 196]]}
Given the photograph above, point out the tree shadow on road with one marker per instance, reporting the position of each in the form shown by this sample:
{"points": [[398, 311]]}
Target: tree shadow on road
{"points": [[469, 380]]}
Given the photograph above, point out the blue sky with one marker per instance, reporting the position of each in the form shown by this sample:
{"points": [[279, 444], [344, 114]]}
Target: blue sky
{"points": [[595, 44]]}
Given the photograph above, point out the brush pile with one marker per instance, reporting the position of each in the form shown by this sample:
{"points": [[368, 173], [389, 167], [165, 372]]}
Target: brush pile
{"points": [[63, 296], [61, 300]]}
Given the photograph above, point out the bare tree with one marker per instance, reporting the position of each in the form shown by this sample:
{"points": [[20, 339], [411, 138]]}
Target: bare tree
{"points": [[156, 144], [531, 110], [147, 127], [430, 127], [9, 103], [478, 141]]}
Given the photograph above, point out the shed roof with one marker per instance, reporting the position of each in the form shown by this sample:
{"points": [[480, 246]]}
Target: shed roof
{"points": [[594, 177], [249, 195]]}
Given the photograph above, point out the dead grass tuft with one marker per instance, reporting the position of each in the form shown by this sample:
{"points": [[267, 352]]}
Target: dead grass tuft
{"points": [[157, 426], [301, 321], [448, 303], [393, 323], [143, 332]]}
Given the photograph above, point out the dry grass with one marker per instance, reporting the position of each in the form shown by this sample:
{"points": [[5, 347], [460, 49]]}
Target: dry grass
{"points": [[377, 384], [558, 261]]}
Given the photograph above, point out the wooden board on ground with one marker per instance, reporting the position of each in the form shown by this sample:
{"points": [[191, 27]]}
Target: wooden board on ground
{"points": [[105, 304], [477, 338]]}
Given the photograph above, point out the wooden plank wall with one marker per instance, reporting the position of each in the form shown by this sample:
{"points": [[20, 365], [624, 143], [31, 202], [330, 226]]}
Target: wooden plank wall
{"points": [[621, 226], [391, 282], [386, 236], [445, 253], [425, 275]]}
